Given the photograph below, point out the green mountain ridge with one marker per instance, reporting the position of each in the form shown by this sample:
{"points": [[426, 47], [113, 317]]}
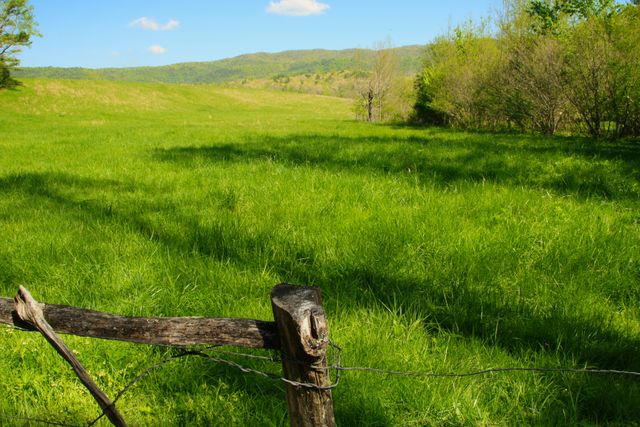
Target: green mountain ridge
{"points": [[248, 66]]}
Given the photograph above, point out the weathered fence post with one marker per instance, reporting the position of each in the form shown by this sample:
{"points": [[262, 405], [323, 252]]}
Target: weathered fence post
{"points": [[304, 338]]}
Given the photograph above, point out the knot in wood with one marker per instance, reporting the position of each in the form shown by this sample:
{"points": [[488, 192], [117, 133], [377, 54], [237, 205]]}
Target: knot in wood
{"points": [[314, 332], [299, 310]]}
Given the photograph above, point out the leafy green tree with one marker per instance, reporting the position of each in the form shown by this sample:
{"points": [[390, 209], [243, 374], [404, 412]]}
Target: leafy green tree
{"points": [[624, 67], [424, 110], [602, 72], [456, 85], [531, 85], [17, 27], [551, 14]]}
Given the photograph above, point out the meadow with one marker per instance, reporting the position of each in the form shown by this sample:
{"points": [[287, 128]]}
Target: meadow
{"points": [[435, 250]]}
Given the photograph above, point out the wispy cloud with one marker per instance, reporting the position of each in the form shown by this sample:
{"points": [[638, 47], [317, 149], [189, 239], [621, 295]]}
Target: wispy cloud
{"points": [[153, 25], [297, 7], [172, 24], [156, 49]]}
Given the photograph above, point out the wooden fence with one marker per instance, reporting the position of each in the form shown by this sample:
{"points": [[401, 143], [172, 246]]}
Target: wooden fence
{"points": [[299, 331]]}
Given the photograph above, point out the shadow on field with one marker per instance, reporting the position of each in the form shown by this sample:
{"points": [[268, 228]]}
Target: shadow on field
{"points": [[568, 166], [63, 193], [456, 306]]}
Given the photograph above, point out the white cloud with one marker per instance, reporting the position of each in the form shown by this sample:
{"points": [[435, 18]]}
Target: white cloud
{"points": [[156, 49], [297, 7], [172, 24], [153, 25]]}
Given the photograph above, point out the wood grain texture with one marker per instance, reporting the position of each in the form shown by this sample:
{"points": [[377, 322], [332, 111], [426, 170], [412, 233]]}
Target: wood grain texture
{"points": [[304, 337], [174, 331]]}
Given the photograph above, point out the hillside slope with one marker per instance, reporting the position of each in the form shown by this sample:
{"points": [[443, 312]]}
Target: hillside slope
{"points": [[116, 107], [252, 66]]}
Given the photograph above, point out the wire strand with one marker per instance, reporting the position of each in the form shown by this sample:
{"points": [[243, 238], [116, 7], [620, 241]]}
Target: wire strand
{"points": [[336, 352], [482, 372]]}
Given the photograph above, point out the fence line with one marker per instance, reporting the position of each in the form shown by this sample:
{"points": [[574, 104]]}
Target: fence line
{"points": [[336, 366], [299, 331], [300, 324]]}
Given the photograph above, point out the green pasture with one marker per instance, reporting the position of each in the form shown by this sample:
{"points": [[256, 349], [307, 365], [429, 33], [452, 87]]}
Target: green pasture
{"points": [[435, 250]]}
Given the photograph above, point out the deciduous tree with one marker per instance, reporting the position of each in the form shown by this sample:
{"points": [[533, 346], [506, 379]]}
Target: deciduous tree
{"points": [[375, 86], [17, 27]]}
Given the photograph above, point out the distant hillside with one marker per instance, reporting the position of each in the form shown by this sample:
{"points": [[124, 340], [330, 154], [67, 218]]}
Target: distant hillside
{"points": [[252, 66]]}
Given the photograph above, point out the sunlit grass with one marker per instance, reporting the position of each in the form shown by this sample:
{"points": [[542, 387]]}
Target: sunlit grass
{"points": [[435, 251]]}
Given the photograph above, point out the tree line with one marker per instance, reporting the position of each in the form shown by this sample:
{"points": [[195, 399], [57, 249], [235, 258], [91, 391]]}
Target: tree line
{"points": [[548, 66]]}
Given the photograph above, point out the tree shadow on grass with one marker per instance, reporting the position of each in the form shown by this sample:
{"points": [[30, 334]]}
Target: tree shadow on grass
{"points": [[458, 306], [6, 81], [568, 166]]}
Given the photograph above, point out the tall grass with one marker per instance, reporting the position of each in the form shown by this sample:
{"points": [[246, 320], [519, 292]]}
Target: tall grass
{"points": [[435, 251]]}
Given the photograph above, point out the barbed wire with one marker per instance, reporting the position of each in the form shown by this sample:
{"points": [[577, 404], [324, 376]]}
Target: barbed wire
{"points": [[336, 366], [483, 371], [215, 349], [202, 353]]}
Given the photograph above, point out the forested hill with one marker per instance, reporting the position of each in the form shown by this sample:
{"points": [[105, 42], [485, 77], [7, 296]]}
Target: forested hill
{"points": [[252, 66]]}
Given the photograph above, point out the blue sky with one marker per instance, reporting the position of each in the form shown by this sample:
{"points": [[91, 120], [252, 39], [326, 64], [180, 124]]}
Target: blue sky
{"points": [[123, 33]]}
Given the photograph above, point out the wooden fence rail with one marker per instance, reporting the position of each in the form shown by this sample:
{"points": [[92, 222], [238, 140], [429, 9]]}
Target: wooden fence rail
{"points": [[299, 331]]}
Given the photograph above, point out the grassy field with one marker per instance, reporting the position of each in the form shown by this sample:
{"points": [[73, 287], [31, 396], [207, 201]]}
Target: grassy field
{"points": [[435, 251]]}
